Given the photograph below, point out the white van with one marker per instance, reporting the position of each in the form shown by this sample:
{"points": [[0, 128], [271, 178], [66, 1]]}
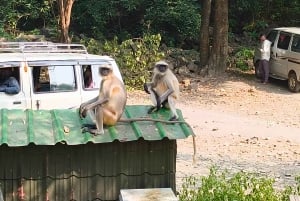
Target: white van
{"points": [[285, 56], [51, 75]]}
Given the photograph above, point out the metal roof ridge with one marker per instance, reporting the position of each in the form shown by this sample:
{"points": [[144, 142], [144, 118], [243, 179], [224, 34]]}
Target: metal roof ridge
{"points": [[134, 125]]}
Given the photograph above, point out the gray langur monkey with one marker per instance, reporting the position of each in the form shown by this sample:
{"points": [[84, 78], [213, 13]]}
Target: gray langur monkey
{"points": [[108, 106], [163, 89]]}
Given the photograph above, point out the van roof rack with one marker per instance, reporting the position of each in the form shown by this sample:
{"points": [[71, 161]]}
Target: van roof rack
{"points": [[41, 47]]}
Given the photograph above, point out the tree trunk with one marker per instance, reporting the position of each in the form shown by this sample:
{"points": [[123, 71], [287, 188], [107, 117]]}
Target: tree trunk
{"points": [[65, 8], [204, 32], [218, 55]]}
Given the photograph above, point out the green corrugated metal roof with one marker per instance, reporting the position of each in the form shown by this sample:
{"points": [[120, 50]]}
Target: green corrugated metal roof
{"points": [[48, 127]]}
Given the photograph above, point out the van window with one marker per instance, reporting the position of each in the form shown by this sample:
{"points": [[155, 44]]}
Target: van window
{"points": [[91, 77], [296, 43], [10, 80], [272, 37], [284, 41], [53, 79], [88, 82]]}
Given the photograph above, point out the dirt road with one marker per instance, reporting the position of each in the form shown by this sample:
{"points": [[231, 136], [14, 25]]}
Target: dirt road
{"points": [[239, 124]]}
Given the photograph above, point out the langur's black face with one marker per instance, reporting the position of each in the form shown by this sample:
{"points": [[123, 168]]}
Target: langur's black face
{"points": [[162, 68], [104, 71]]}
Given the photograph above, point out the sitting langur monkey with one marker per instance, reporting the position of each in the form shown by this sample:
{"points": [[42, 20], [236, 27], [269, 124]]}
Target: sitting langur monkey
{"points": [[108, 106], [163, 89]]}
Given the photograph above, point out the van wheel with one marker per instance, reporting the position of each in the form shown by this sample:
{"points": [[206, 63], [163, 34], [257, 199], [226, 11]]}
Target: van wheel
{"points": [[257, 70], [293, 84]]}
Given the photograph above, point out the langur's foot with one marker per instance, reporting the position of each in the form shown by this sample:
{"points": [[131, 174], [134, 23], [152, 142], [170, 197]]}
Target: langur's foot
{"points": [[95, 132], [84, 129], [174, 118], [164, 104], [152, 109], [89, 126]]}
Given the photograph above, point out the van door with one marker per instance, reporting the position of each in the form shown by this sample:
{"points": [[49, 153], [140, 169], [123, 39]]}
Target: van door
{"points": [[18, 100], [279, 60], [54, 86]]}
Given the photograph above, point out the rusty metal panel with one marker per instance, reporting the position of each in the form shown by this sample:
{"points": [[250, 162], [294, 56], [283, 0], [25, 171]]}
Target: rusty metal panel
{"points": [[86, 171]]}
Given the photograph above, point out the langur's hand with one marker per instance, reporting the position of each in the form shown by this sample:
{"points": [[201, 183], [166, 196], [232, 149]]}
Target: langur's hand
{"points": [[82, 113], [158, 101], [146, 88], [158, 105]]}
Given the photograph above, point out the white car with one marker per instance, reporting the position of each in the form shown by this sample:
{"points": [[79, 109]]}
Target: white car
{"points": [[51, 75], [285, 56]]}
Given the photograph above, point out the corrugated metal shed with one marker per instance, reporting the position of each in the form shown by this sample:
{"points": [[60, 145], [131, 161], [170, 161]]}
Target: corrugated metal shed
{"points": [[40, 160], [48, 127]]}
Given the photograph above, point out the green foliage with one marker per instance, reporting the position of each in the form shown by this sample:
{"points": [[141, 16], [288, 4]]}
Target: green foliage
{"points": [[92, 22], [106, 19], [244, 13], [176, 20], [220, 186], [93, 46], [242, 56], [134, 57], [291, 190], [24, 14], [256, 15], [3, 33], [253, 29]]}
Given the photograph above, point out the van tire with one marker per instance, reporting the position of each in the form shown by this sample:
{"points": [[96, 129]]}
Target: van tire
{"points": [[293, 84], [257, 70]]}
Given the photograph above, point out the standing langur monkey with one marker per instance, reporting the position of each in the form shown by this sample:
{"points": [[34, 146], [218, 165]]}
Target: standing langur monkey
{"points": [[107, 108], [163, 89]]}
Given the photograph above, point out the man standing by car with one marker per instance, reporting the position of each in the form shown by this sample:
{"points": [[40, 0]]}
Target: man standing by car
{"points": [[265, 50], [8, 83]]}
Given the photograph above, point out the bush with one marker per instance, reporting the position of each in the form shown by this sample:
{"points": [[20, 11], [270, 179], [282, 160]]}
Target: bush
{"points": [[220, 186], [242, 58], [92, 45], [135, 58]]}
